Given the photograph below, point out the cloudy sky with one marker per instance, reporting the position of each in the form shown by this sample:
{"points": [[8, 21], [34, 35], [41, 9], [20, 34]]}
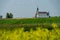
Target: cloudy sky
{"points": [[27, 8]]}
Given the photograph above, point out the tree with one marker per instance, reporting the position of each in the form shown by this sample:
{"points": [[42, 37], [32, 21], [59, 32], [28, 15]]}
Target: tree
{"points": [[0, 17], [9, 15]]}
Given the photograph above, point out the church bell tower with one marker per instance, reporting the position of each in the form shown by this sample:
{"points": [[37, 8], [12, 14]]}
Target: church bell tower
{"points": [[36, 12]]}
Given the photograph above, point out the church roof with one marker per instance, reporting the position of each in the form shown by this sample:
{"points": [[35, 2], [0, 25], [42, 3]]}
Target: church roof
{"points": [[42, 12]]}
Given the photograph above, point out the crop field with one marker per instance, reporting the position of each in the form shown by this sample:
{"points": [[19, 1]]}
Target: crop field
{"points": [[30, 29], [30, 20]]}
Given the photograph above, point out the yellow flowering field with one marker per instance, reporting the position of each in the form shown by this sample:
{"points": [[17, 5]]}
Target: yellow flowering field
{"points": [[40, 33]]}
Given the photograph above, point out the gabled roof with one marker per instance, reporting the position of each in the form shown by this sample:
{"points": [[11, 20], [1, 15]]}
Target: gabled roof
{"points": [[42, 12]]}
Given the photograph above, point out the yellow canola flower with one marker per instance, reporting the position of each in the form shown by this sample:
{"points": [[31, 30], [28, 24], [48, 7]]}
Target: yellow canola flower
{"points": [[54, 25]]}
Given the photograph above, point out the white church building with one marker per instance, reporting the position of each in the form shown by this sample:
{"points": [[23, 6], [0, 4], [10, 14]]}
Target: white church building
{"points": [[41, 14]]}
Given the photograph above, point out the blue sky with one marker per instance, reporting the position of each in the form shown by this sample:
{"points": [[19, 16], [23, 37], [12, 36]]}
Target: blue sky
{"points": [[27, 8]]}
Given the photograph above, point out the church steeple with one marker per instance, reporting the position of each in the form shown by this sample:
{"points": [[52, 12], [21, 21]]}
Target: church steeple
{"points": [[37, 9], [36, 12]]}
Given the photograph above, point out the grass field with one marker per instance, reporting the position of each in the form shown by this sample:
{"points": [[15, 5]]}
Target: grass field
{"points": [[30, 29], [30, 20]]}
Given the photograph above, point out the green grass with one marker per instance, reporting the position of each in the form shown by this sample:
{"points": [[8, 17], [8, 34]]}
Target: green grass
{"points": [[30, 21]]}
